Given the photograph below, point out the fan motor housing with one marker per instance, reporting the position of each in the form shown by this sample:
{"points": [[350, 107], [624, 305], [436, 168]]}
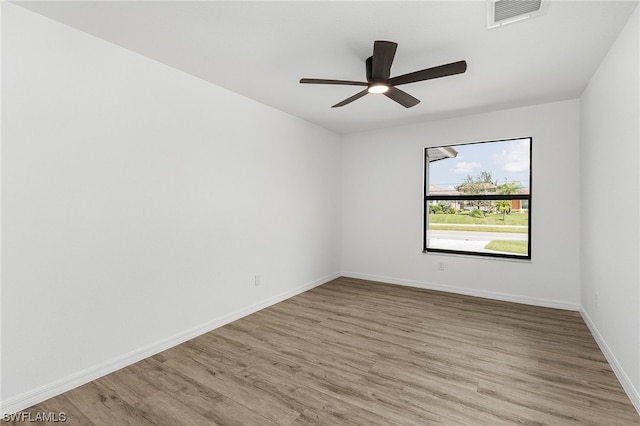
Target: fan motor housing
{"points": [[369, 66]]}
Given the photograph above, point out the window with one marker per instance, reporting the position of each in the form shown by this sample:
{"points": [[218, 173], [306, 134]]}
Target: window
{"points": [[478, 199]]}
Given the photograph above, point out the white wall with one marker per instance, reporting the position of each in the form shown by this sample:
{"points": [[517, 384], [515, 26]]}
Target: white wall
{"points": [[610, 155], [382, 207], [138, 202]]}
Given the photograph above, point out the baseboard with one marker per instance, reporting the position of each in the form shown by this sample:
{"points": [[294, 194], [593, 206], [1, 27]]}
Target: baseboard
{"points": [[467, 291], [624, 380], [65, 384]]}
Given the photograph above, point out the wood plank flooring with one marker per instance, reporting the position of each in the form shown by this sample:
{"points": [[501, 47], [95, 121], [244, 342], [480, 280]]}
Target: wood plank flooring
{"points": [[355, 352]]}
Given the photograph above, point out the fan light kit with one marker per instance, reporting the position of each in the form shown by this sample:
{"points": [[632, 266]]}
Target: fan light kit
{"points": [[378, 69], [378, 88]]}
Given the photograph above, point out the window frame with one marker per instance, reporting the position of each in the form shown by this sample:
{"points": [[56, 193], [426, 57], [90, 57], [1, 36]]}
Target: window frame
{"points": [[489, 197]]}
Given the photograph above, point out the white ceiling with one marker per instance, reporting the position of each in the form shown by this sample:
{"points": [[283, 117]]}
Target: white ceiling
{"points": [[262, 49]]}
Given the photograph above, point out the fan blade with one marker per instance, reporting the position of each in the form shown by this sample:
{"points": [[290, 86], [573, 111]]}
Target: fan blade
{"points": [[351, 99], [383, 53], [341, 82], [435, 72], [403, 98]]}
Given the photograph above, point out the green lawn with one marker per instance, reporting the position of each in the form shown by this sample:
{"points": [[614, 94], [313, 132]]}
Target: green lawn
{"points": [[508, 246], [480, 228], [514, 223], [518, 219]]}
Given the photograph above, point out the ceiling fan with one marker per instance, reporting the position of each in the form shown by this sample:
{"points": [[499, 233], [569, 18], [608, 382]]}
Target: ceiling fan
{"points": [[378, 69]]}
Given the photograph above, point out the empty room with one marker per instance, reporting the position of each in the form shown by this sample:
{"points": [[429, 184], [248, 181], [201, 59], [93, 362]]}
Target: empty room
{"points": [[333, 212]]}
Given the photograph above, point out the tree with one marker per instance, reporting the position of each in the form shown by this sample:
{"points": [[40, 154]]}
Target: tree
{"points": [[509, 188], [485, 177], [478, 185], [503, 206]]}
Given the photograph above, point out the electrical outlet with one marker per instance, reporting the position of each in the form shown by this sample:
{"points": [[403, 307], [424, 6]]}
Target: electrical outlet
{"points": [[257, 280], [440, 266]]}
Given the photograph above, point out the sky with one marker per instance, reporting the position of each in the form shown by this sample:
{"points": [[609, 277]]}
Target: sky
{"points": [[508, 161]]}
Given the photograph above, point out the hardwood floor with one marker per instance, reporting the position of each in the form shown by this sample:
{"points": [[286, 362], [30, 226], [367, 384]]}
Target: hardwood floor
{"points": [[356, 352]]}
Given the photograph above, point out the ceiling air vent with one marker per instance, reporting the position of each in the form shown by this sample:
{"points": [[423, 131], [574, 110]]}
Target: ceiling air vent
{"points": [[501, 12]]}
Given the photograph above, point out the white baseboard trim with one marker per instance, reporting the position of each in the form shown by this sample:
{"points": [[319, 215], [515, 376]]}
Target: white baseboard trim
{"points": [[547, 303], [35, 396], [622, 376]]}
